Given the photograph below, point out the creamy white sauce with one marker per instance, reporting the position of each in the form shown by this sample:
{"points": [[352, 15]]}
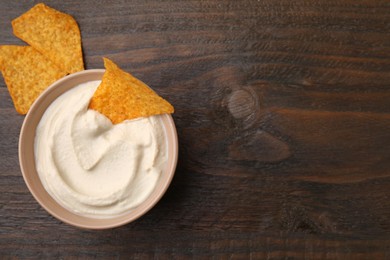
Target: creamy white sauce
{"points": [[91, 166]]}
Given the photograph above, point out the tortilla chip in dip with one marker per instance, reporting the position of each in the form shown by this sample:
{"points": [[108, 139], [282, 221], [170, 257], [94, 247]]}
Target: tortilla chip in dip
{"points": [[120, 96]]}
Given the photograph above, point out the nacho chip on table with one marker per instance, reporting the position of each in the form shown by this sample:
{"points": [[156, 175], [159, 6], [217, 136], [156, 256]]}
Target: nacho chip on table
{"points": [[120, 96], [54, 34], [26, 73]]}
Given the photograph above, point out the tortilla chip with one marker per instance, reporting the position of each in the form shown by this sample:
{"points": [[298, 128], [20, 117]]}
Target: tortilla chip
{"points": [[54, 34], [120, 96], [26, 73]]}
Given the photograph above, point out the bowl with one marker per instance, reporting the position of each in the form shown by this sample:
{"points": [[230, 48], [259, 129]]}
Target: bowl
{"points": [[33, 182]]}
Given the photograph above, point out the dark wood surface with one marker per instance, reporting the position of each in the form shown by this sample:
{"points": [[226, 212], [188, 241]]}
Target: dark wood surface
{"points": [[283, 116]]}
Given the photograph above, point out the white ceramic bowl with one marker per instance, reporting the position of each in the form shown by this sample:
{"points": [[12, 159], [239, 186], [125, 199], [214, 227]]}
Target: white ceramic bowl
{"points": [[30, 175]]}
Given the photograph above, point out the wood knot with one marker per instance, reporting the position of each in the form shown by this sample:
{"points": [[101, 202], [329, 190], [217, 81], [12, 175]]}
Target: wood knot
{"points": [[242, 103]]}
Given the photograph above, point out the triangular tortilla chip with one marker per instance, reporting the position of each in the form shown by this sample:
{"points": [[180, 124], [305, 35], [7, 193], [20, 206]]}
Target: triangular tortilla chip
{"points": [[120, 96], [54, 34], [26, 73]]}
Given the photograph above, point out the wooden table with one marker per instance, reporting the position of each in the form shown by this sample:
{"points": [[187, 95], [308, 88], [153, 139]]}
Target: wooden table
{"points": [[283, 116]]}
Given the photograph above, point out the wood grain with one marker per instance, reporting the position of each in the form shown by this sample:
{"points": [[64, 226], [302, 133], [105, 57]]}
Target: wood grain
{"points": [[283, 116]]}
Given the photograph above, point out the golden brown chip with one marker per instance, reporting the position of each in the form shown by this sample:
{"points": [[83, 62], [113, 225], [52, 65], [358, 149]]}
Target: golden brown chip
{"points": [[120, 96], [26, 73], [54, 34]]}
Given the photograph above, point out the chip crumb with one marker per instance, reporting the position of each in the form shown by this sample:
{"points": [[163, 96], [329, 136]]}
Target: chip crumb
{"points": [[120, 96]]}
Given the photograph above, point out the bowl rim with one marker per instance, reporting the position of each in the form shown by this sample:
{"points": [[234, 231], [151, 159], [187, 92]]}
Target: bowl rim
{"points": [[22, 158]]}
